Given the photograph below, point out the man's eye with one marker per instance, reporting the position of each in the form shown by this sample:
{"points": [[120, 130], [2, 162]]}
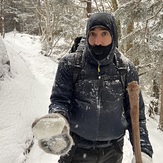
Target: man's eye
{"points": [[104, 33], [91, 34]]}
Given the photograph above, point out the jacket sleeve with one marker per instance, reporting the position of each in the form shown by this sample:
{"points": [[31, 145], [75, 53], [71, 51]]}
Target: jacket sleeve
{"points": [[146, 147], [62, 89]]}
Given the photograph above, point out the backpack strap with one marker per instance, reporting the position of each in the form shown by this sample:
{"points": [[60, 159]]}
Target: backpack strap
{"points": [[78, 60], [77, 66], [121, 69]]}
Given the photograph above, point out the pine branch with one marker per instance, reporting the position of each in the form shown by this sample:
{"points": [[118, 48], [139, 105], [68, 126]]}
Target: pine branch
{"points": [[152, 17]]}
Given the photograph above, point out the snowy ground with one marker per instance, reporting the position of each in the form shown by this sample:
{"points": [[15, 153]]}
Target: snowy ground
{"points": [[25, 97]]}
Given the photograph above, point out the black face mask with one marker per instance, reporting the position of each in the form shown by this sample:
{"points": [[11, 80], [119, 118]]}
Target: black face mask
{"points": [[100, 52]]}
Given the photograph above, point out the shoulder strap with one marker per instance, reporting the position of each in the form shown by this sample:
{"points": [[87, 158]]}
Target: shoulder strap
{"points": [[122, 70], [77, 66], [78, 60]]}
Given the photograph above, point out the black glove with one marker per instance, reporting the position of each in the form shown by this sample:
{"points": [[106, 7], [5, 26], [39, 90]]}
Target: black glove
{"points": [[145, 158]]}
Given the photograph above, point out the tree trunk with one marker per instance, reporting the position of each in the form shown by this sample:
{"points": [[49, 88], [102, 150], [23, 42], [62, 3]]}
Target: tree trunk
{"points": [[38, 12], [2, 23], [89, 7], [130, 28], [153, 105], [114, 4], [161, 110], [115, 7]]}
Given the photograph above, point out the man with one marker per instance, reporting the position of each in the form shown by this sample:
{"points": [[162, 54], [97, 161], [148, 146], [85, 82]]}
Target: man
{"points": [[95, 109]]}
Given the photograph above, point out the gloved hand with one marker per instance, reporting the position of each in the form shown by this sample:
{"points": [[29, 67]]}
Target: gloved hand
{"points": [[145, 158], [53, 134]]}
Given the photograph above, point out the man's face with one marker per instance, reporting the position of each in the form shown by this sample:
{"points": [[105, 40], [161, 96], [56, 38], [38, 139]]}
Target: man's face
{"points": [[99, 36]]}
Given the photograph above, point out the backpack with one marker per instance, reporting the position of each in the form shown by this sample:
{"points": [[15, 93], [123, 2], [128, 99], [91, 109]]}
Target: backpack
{"points": [[78, 48]]}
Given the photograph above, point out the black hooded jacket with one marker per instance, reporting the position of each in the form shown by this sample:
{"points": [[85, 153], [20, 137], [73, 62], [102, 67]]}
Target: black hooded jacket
{"points": [[97, 107]]}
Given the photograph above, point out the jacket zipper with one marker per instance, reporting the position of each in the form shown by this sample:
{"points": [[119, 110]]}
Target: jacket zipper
{"points": [[98, 70], [98, 98]]}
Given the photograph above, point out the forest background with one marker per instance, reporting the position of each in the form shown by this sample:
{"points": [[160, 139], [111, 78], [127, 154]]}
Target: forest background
{"points": [[140, 27]]}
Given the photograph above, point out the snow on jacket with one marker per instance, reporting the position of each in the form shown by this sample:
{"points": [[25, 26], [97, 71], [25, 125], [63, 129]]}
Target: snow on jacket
{"points": [[97, 106]]}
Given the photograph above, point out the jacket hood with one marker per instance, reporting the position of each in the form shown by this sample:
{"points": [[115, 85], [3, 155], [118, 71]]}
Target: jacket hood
{"points": [[105, 20]]}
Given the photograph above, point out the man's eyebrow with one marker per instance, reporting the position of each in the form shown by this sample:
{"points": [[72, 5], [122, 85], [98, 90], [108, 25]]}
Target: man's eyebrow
{"points": [[103, 29], [92, 30]]}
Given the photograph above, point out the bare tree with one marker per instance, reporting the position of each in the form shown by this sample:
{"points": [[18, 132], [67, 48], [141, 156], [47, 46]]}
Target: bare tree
{"points": [[89, 7], [114, 5], [101, 6], [58, 19], [2, 24], [161, 110], [141, 40]]}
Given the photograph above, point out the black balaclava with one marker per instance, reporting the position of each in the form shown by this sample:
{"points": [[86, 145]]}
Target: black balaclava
{"points": [[100, 52], [106, 21]]}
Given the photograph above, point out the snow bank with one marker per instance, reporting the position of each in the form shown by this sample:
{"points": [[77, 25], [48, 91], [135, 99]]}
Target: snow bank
{"points": [[4, 61]]}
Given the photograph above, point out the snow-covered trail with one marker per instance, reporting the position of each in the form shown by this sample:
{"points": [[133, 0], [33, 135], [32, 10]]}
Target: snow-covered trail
{"points": [[28, 64], [29, 49], [25, 97]]}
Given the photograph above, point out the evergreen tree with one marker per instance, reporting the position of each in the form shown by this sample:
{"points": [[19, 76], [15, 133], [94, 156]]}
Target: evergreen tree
{"points": [[142, 41]]}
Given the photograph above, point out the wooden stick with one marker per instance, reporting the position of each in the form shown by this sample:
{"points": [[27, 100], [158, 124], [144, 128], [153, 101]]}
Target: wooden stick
{"points": [[133, 91]]}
